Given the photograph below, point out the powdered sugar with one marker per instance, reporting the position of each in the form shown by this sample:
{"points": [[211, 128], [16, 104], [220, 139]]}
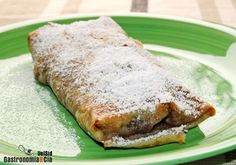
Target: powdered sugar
{"points": [[26, 113], [108, 66], [120, 141], [126, 78]]}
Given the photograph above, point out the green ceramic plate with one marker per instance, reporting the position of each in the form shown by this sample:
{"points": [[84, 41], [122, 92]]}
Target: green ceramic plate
{"points": [[203, 52]]}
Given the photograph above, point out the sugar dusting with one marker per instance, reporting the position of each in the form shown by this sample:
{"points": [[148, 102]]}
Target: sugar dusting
{"points": [[25, 118], [120, 141], [189, 72], [108, 66], [126, 78]]}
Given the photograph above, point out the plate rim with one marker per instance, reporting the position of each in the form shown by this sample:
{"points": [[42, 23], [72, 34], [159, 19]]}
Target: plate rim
{"points": [[144, 159], [217, 26]]}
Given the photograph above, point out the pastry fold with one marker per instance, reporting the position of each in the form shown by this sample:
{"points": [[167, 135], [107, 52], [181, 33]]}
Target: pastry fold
{"points": [[116, 90]]}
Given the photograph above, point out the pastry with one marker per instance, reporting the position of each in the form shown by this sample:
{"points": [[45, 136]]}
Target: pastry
{"points": [[116, 90]]}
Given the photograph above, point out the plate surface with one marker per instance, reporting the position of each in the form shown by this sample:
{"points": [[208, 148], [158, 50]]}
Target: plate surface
{"points": [[204, 55]]}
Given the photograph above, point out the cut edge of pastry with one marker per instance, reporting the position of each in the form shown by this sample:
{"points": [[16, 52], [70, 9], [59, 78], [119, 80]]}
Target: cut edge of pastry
{"points": [[152, 138]]}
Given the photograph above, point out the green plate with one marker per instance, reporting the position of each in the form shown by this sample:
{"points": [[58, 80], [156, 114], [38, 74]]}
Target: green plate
{"points": [[203, 54]]}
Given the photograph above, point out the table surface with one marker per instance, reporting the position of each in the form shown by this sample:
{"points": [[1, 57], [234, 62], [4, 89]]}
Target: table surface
{"points": [[218, 11]]}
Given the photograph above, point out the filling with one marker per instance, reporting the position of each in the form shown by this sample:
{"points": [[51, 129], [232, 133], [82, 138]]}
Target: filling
{"points": [[166, 117]]}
